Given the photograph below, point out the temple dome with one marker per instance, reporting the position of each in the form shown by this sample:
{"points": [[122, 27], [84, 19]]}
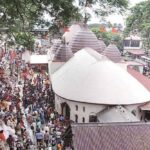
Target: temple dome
{"points": [[84, 38], [63, 53], [102, 44], [113, 53], [89, 77], [55, 45], [72, 31]]}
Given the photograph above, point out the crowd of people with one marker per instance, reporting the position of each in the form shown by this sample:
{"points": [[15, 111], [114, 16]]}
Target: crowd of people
{"points": [[28, 119]]}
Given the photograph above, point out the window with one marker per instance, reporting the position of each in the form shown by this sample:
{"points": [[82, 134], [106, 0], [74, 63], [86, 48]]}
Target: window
{"points": [[92, 118], [126, 43], [134, 112], [83, 109], [135, 43], [76, 118], [83, 119], [76, 107]]}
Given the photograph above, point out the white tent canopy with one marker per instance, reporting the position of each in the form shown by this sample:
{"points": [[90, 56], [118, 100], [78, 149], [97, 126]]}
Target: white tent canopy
{"points": [[38, 59], [92, 78]]}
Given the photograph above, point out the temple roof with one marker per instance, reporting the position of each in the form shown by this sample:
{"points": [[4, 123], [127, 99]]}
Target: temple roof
{"points": [[92, 78], [55, 45], [113, 136], [63, 54], [113, 53], [84, 38]]}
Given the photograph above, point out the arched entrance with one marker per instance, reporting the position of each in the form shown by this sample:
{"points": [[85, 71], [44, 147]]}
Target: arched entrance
{"points": [[92, 117], [65, 110]]}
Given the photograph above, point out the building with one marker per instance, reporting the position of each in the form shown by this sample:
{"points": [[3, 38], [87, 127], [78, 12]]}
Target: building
{"points": [[89, 83], [133, 46], [112, 136], [113, 53], [62, 55], [85, 38], [39, 62], [73, 29]]}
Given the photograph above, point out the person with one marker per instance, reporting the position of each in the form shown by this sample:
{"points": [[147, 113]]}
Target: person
{"points": [[10, 142], [53, 143], [39, 137], [59, 146], [46, 138]]}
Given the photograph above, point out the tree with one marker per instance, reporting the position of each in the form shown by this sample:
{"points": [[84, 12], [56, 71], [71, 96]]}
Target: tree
{"points": [[102, 8], [139, 22], [108, 36], [20, 16]]}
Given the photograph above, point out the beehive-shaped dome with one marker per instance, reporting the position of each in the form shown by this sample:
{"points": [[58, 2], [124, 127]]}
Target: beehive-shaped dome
{"points": [[84, 38], [63, 53], [72, 31], [55, 46], [90, 77], [102, 44], [113, 53]]}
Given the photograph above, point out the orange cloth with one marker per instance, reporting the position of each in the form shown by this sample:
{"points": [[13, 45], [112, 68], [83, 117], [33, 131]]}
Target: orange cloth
{"points": [[59, 147]]}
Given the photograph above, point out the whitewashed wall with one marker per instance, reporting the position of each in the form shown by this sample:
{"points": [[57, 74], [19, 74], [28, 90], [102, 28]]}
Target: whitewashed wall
{"points": [[136, 109], [89, 109]]}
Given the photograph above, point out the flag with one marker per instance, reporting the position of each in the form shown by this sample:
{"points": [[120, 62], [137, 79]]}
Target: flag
{"points": [[114, 30]]}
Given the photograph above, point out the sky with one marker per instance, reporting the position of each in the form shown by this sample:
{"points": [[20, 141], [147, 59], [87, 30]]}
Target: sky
{"points": [[116, 18]]}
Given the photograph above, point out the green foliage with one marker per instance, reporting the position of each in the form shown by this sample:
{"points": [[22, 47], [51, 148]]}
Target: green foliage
{"points": [[25, 39], [139, 21], [103, 8], [107, 37], [20, 16]]}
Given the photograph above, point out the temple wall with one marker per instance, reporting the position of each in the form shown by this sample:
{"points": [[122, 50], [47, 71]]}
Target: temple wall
{"points": [[84, 109]]}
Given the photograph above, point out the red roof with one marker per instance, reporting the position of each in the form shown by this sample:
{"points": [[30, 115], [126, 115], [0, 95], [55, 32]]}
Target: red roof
{"points": [[137, 52], [145, 81]]}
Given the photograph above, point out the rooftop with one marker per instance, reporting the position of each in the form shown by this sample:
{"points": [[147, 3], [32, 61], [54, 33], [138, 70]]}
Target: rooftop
{"points": [[113, 136], [113, 53], [92, 78]]}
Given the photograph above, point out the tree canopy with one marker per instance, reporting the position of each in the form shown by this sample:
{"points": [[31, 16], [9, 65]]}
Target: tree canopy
{"points": [[23, 15], [139, 22]]}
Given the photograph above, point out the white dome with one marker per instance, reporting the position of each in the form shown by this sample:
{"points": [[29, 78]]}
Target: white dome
{"points": [[92, 78]]}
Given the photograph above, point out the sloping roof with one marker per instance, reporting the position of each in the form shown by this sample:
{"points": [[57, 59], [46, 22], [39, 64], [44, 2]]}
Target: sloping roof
{"points": [[145, 106], [145, 81], [84, 38], [137, 52], [102, 45], [72, 30], [38, 59], [117, 136], [113, 53], [120, 114], [55, 46], [90, 77], [63, 54]]}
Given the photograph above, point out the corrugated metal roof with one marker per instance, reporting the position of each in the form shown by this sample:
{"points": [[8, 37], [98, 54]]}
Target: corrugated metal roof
{"points": [[118, 136], [145, 81]]}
